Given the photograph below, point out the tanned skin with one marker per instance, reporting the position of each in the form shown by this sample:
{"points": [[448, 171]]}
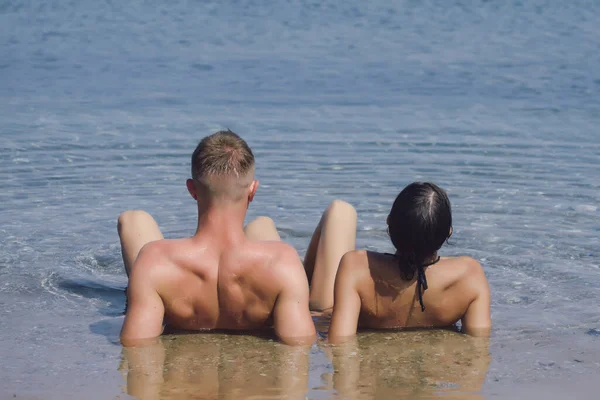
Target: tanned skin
{"points": [[371, 293], [217, 279]]}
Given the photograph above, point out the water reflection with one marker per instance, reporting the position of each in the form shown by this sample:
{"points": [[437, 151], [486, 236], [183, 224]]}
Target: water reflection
{"points": [[412, 364], [382, 365], [213, 366]]}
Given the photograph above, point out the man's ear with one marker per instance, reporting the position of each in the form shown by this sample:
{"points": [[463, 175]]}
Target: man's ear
{"points": [[253, 188], [450, 233], [191, 187]]}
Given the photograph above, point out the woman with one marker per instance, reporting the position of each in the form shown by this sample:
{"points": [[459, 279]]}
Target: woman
{"points": [[414, 287]]}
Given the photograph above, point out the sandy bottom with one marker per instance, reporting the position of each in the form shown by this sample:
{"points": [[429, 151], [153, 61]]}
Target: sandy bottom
{"points": [[376, 366], [415, 365], [383, 365]]}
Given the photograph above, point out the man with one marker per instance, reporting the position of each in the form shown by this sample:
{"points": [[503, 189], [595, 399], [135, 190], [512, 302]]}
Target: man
{"points": [[220, 278], [383, 291]]}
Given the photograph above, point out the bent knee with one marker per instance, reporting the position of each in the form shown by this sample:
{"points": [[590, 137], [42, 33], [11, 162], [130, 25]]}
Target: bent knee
{"points": [[133, 218], [340, 207], [261, 221]]}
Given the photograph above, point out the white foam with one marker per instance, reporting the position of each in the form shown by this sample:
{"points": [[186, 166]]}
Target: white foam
{"points": [[584, 208]]}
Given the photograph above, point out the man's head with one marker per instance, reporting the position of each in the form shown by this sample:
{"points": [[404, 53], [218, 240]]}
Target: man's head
{"points": [[420, 220], [222, 169]]}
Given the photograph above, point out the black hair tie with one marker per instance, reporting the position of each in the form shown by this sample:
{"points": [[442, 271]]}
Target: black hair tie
{"points": [[422, 281]]}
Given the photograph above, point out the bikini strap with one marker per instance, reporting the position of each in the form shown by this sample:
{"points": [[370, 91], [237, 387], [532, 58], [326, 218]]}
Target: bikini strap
{"points": [[422, 281]]}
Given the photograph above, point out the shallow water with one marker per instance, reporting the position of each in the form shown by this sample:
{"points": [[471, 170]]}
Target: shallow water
{"points": [[416, 364], [102, 104]]}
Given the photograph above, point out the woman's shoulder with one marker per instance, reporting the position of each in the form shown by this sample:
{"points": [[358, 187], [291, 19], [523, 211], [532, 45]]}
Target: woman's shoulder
{"points": [[356, 264], [366, 258], [458, 268], [464, 261]]}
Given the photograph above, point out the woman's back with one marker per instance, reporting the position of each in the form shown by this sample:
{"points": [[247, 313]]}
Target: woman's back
{"points": [[388, 300], [413, 287]]}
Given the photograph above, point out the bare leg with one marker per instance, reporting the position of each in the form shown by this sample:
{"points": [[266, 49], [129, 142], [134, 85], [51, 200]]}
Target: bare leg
{"points": [[136, 229], [262, 228], [334, 236]]}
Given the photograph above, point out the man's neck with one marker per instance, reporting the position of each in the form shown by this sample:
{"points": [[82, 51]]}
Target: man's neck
{"points": [[223, 223]]}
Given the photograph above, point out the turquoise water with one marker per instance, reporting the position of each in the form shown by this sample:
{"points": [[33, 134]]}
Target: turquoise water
{"points": [[103, 102]]}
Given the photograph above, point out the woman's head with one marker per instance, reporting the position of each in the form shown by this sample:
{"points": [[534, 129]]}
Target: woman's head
{"points": [[420, 221]]}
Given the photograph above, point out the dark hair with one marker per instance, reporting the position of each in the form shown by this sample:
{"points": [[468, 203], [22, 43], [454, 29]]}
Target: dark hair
{"points": [[223, 153], [418, 224]]}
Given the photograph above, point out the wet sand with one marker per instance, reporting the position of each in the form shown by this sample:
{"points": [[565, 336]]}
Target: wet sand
{"points": [[424, 364], [377, 365], [434, 364]]}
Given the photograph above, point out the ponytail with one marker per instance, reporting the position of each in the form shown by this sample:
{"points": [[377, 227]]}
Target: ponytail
{"points": [[408, 266]]}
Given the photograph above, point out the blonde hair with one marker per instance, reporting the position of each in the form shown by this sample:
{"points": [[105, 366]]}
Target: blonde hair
{"points": [[223, 164]]}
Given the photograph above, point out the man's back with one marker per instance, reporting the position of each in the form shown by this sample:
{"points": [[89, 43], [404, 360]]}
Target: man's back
{"points": [[202, 285], [457, 290]]}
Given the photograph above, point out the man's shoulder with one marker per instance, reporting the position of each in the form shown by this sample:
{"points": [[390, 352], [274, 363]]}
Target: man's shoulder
{"points": [[167, 245], [155, 256], [282, 262], [276, 252]]}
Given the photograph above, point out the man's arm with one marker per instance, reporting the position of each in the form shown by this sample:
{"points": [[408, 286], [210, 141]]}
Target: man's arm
{"points": [[477, 319], [293, 323], [145, 309], [346, 306]]}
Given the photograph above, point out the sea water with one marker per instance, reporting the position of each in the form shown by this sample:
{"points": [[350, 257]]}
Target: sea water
{"points": [[498, 102]]}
